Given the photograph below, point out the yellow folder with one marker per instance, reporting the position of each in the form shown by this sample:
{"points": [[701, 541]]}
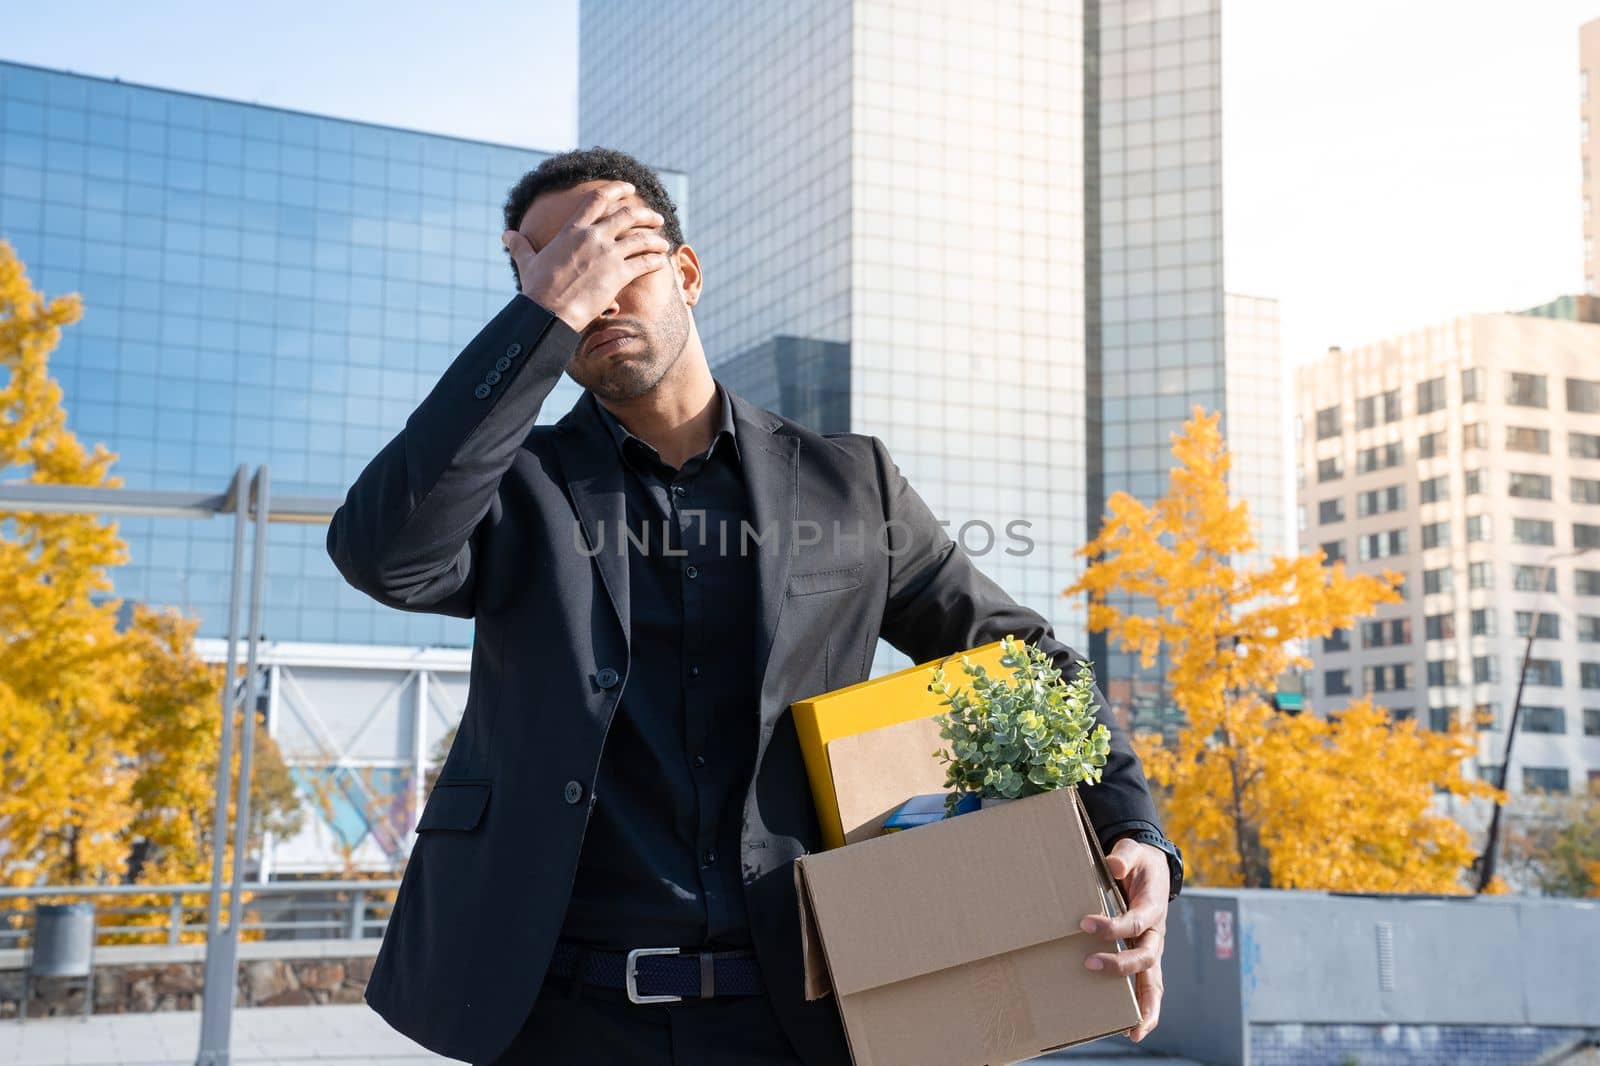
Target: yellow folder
{"points": [[878, 702]]}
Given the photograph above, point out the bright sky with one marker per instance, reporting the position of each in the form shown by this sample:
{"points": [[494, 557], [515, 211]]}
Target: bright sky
{"points": [[1387, 165]]}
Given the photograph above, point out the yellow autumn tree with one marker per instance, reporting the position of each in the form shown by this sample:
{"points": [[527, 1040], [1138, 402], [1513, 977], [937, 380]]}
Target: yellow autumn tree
{"points": [[1255, 797], [109, 736]]}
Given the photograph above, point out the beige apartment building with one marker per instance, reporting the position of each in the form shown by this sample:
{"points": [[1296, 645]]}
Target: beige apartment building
{"points": [[1467, 457], [1589, 145]]}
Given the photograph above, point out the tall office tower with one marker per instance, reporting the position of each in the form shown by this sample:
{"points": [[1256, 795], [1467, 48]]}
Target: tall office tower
{"points": [[1259, 419], [1589, 145], [265, 286], [962, 228], [1467, 457]]}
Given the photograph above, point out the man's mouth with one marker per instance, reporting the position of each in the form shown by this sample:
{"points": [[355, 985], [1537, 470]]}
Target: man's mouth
{"points": [[608, 340]]}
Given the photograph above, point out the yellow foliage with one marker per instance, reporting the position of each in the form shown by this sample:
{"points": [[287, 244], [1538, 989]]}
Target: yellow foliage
{"points": [[1255, 797], [109, 737]]}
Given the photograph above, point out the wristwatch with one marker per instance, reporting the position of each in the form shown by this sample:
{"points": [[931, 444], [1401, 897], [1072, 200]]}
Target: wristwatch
{"points": [[1174, 856]]}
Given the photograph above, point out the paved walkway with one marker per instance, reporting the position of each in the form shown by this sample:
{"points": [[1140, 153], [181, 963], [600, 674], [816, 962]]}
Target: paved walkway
{"points": [[301, 1036]]}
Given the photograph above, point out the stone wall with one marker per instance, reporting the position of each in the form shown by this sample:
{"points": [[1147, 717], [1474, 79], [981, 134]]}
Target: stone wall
{"points": [[143, 979]]}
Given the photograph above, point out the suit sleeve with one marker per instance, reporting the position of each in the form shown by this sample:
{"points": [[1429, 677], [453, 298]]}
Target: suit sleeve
{"points": [[940, 603], [404, 534]]}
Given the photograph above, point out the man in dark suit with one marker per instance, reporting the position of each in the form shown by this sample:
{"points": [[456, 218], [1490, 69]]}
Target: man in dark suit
{"points": [[603, 871]]}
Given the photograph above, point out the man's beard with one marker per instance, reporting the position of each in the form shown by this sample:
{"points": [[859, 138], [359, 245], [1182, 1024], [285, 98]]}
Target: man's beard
{"points": [[638, 373]]}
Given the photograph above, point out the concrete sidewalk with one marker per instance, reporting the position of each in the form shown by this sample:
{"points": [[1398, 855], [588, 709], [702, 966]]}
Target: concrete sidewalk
{"points": [[298, 1036]]}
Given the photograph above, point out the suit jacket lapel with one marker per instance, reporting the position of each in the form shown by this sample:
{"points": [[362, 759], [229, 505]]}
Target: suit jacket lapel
{"points": [[770, 460], [594, 475]]}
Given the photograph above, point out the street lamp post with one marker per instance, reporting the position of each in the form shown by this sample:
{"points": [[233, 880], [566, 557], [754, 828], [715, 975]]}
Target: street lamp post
{"points": [[1491, 846]]}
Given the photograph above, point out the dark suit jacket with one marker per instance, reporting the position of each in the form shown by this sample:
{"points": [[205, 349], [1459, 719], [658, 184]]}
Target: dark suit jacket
{"points": [[473, 510]]}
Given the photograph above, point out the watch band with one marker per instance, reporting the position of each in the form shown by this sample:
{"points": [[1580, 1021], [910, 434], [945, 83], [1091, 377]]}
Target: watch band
{"points": [[1174, 857]]}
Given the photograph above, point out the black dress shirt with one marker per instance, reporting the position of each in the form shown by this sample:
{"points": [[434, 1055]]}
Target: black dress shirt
{"points": [[660, 860]]}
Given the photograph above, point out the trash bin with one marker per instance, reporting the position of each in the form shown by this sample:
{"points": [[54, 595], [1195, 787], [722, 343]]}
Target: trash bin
{"points": [[62, 945]]}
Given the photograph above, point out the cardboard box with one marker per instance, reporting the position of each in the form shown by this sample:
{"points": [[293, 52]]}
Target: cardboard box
{"points": [[957, 943]]}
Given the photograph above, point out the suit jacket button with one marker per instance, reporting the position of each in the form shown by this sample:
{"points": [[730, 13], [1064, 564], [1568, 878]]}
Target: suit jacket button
{"points": [[502, 364], [492, 378], [513, 350], [573, 793], [605, 677], [482, 392]]}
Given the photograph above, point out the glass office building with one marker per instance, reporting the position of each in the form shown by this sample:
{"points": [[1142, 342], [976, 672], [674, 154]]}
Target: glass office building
{"points": [[1001, 222], [260, 286]]}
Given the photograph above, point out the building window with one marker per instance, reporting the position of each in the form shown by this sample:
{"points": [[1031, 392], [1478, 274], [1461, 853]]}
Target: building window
{"points": [[1589, 629], [1436, 534], [1336, 683], [1544, 779], [1431, 445], [1332, 551], [1436, 581], [1528, 486], [1589, 675], [1483, 622], [1480, 575], [1591, 721], [1380, 457], [1430, 395], [1528, 578], [1383, 407], [1583, 445], [1439, 626], [1583, 397], [1485, 670], [1533, 531], [1587, 581], [1526, 390], [1528, 439], [1330, 469], [1585, 535], [1472, 384], [1338, 640], [1382, 545], [1331, 510], [1380, 501], [1476, 481], [1475, 435], [1386, 633], [1486, 715], [1585, 490], [1477, 528], [1433, 489], [1549, 624], [1328, 422], [1441, 719], [1543, 719], [1387, 677], [1546, 673], [1441, 673]]}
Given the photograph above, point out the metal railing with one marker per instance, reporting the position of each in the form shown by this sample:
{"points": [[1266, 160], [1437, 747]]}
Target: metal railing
{"points": [[273, 910]]}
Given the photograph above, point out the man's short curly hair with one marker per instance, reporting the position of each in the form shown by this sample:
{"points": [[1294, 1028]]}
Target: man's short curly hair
{"points": [[580, 165]]}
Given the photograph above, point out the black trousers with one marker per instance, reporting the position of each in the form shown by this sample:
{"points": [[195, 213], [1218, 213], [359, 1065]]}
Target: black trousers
{"points": [[600, 1027]]}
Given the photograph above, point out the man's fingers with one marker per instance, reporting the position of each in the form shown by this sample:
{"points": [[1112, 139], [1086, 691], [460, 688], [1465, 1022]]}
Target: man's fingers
{"points": [[1148, 988], [1139, 957], [521, 251], [1139, 918]]}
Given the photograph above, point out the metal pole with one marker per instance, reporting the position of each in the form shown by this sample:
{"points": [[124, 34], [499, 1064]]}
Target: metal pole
{"points": [[218, 1052], [217, 996], [1492, 846]]}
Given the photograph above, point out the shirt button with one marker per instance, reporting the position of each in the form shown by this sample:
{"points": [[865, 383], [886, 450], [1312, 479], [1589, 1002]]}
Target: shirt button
{"points": [[691, 572], [694, 671], [711, 857], [699, 760], [513, 350], [679, 490], [573, 793], [605, 677]]}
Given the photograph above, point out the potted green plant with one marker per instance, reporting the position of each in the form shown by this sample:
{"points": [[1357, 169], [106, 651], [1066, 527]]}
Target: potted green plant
{"points": [[1022, 735]]}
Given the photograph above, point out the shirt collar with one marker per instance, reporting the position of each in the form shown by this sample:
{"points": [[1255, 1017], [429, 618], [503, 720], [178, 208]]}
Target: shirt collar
{"points": [[621, 434]]}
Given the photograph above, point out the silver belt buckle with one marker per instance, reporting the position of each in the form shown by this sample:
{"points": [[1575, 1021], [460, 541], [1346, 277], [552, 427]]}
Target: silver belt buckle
{"points": [[630, 979]]}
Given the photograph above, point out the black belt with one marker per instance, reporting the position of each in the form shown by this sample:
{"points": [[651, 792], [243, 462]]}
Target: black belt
{"points": [[661, 975]]}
